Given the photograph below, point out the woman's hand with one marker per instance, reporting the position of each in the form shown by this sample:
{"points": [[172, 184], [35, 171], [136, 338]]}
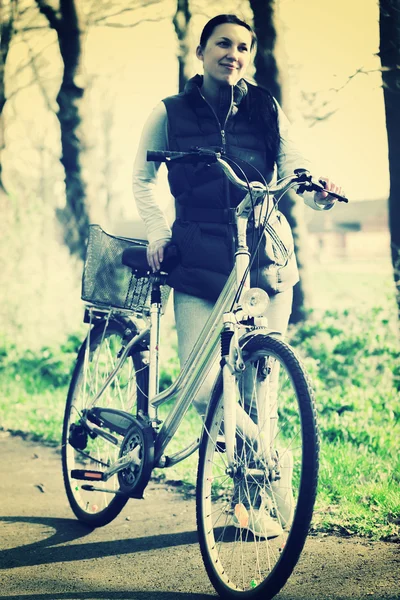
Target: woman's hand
{"points": [[155, 254], [323, 198]]}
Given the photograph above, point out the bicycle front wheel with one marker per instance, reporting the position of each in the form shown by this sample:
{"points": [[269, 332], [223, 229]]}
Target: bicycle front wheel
{"points": [[82, 448], [253, 519]]}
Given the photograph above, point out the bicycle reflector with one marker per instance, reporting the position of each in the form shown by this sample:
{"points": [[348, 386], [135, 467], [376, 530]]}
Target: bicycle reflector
{"points": [[255, 302]]}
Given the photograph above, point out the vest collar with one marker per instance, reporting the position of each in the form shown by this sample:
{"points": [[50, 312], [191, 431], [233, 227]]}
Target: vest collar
{"points": [[229, 96]]}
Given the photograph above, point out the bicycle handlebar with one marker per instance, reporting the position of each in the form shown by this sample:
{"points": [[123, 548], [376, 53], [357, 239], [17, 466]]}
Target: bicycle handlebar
{"points": [[302, 177]]}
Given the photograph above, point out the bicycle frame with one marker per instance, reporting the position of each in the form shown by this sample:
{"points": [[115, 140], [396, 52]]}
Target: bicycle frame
{"points": [[205, 350], [202, 356]]}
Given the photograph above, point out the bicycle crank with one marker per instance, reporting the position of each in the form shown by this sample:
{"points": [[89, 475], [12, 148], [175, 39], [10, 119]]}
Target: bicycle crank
{"points": [[128, 459], [138, 448]]}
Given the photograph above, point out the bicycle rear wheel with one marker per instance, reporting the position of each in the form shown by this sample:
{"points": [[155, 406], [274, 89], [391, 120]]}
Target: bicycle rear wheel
{"points": [[82, 448], [253, 522]]}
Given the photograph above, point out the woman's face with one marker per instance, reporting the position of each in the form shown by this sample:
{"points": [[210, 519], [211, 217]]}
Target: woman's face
{"points": [[226, 55]]}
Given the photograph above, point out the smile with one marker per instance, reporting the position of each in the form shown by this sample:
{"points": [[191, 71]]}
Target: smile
{"points": [[230, 67]]}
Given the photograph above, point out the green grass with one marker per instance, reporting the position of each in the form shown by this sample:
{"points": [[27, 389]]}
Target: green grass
{"points": [[358, 492], [34, 388], [353, 358], [39, 414]]}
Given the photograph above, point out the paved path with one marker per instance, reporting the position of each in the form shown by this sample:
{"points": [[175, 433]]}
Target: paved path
{"points": [[150, 552]]}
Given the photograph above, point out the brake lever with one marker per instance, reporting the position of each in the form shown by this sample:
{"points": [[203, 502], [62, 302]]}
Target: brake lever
{"points": [[322, 188], [310, 186]]}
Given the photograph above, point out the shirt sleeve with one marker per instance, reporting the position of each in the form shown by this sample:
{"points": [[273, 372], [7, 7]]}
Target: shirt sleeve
{"points": [[154, 137], [290, 158]]}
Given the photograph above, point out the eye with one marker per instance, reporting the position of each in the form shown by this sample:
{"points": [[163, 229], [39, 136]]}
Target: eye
{"points": [[223, 43], [243, 49]]}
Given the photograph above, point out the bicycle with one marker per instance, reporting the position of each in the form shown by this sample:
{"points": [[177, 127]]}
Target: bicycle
{"points": [[259, 444]]}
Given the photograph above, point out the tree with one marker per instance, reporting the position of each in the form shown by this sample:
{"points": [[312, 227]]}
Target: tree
{"points": [[181, 23], [68, 25], [267, 71], [7, 21], [389, 52], [267, 75]]}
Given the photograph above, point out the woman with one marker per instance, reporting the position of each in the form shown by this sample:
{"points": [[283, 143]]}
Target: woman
{"points": [[221, 110]]}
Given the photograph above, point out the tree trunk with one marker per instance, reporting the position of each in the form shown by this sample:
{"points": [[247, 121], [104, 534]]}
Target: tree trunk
{"points": [[267, 71], [267, 75], [74, 217], [6, 33], [181, 23], [389, 51]]}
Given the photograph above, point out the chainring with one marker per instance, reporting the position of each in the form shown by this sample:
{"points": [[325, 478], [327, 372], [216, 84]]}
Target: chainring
{"points": [[134, 478]]}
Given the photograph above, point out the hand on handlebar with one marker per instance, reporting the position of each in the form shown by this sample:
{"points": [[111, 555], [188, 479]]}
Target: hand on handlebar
{"points": [[323, 198], [155, 253]]}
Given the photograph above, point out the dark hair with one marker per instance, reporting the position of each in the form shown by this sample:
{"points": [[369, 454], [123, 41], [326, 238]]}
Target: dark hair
{"points": [[220, 20], [263, 113]]}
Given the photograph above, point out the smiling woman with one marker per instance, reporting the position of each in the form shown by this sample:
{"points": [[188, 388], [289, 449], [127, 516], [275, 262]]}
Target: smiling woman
{"points": [[222, 111]]}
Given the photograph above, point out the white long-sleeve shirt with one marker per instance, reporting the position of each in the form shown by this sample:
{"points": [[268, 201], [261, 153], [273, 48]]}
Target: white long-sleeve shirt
{"points": [[155, 137]]}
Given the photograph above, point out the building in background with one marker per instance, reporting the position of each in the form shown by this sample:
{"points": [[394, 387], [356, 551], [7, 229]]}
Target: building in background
{"points": [[355, 231]]}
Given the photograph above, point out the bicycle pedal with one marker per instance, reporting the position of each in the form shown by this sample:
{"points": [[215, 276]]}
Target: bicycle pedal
{"points": [[87, 475], [92, 488]]}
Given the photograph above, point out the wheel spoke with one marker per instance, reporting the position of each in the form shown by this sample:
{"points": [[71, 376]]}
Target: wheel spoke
{"points": [[96, 361], [245, 518]]}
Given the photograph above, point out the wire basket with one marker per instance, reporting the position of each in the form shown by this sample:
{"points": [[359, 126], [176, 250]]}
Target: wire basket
{"points": [[106, 282]]}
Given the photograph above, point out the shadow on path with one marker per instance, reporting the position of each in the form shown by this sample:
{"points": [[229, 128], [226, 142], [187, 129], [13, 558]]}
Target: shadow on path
{"points": [[101, 595], [47, 551]]}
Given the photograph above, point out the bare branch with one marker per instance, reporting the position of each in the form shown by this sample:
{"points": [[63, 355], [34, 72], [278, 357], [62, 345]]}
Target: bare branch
{"points": [[358, 71], [141, 6], [29, 24], [132, 25], [49, 13], [110, 16], [39, 80], [317, 119], [23, 11], [310, 98], [22, 66], [36, 28], [20, 89]]}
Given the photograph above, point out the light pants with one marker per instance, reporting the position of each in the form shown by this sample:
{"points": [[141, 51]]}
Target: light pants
{"points": [[191, 314]]}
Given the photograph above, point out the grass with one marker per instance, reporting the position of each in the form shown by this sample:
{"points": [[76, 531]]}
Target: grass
{"points": [[358, 493], [353, 358]]}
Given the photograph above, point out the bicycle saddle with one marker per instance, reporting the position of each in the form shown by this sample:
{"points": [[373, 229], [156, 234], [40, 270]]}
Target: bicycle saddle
{"points": [[135, 257]]}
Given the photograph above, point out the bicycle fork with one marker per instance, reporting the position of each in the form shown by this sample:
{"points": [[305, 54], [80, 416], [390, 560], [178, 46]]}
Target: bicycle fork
{"points": [[258, 433], [257, 399]]}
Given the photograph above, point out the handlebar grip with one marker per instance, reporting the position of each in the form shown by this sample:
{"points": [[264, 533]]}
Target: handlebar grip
{"points": [[202, 155], [159, 156]]}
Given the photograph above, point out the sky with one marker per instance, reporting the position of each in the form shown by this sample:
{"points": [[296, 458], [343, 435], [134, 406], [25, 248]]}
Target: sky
{"points": [[325, 44]]}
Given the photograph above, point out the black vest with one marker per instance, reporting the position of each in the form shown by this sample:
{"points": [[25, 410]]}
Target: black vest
{"points": [[206, 248]]}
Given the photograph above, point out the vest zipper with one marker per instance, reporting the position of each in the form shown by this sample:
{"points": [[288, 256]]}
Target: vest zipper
{"points": [[225, 122], [230, 240], [223, 139], [221, 128]]}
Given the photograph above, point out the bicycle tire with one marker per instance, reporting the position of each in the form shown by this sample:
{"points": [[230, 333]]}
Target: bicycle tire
{"points": [[239, 563], [96, 358]]}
